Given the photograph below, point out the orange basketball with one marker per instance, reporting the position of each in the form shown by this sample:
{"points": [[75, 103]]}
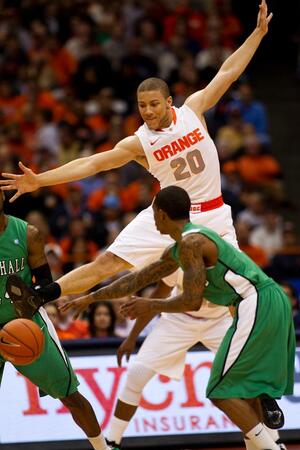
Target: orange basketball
{"points": [[21, 342]]}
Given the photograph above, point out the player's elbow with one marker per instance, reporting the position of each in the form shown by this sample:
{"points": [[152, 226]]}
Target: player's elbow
{"points": [[193, 304]]}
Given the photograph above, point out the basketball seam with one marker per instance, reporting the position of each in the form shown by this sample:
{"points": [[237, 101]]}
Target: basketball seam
{"points": [[36, 341], [4, 352], [10, 334]]}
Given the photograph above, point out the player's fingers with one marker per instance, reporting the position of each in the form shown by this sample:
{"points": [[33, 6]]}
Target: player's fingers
{"points": [[119, 358], [17, 195], [269, 18], [9, 187], [6, 182], [12, 176], [76, 314], [128, 354], [24, 168], [64, 306]]}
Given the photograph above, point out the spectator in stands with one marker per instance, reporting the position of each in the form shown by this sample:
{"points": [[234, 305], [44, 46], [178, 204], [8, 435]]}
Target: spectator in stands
{"points": [[294, 298], [231, 190], [73, 208], [253, 111], [69, 146], [47, 134], [53, 254], [65, 326], [102, 320], [255, 166], [286, 262], [230, 137], [77, 247], [255, 252], [37, 219], [268, 235], [255, 207]]}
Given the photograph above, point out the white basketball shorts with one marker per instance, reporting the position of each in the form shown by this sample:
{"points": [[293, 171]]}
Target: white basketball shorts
{"points": [[140, 243], [164, 349]]}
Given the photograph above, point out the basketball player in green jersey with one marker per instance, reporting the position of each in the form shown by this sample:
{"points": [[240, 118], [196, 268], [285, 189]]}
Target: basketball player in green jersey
{"points": [[255, 362], [22, 252]]}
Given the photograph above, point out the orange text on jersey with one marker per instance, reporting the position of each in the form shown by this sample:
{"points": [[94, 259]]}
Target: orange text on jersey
{"points": [[178, 145]]}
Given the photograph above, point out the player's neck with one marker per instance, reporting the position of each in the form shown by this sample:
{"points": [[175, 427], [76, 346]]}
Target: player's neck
{"points": [[167, 120], [176, 232]]}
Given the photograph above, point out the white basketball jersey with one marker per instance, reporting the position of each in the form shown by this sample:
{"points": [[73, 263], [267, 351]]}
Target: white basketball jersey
{"points": [[183, 155]]}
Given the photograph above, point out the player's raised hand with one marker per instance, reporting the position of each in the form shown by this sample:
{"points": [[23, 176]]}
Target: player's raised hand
{"points": [[263, 19], [27, 182], [78, 306], [126, 348]]}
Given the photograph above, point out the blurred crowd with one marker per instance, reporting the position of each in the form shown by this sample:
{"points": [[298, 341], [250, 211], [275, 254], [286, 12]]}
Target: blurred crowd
{"points": [[69, 72]]}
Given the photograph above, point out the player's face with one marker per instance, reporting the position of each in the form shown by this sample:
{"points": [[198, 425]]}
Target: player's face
{"points": [[160, 219], [155, 109]]}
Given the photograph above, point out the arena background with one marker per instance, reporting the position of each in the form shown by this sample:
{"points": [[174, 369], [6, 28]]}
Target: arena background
{"points": [[69, 71]]}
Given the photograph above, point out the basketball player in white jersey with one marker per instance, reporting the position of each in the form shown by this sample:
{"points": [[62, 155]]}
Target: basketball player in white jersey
{"points": [[174, 145]]}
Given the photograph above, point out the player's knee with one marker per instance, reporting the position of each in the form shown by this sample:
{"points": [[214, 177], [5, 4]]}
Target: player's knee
{"points": [[218, 402], [74, 400], [137, 378]]}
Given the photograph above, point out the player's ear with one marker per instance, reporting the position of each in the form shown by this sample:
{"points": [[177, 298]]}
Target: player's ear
{"points": [[169, 102]]}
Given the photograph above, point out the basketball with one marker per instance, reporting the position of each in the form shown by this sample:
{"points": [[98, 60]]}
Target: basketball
{"points": [[21, 342]]}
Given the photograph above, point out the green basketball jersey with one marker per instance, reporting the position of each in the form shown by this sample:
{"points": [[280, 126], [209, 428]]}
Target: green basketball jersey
{"points": [[13, 259], [235, 275]]}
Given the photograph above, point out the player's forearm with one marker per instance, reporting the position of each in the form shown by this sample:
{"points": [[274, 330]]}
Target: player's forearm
{"points": [[176, 304], [135, 281], [239, 60], [72, 171], [127, 285]]}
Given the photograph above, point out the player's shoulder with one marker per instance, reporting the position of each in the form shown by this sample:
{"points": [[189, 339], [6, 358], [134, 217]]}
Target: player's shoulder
{"points": [[34, 235], [193, 240], [132, 144]]}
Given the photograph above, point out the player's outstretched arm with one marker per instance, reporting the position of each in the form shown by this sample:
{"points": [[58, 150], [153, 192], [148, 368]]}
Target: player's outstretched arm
{"points": [[126, 285], [126, 150], [193, 285], [233, 67]]}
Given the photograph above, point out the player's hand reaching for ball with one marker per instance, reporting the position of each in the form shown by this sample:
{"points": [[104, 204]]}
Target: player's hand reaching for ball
{"points": [[78, 306], [135, 307], [263, 19], [126, 348], [26, 182]]}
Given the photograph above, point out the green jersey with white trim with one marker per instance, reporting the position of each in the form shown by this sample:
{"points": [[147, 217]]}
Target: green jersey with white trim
{"points": [[234, 277], [13, 259]]}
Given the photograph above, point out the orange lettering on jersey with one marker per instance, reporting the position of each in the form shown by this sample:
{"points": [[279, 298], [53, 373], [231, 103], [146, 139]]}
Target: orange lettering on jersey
{"points": [[167, 151], [178, 145], [192, 137], [175, 147], [183, 142], [159, 155], [198, 134]]}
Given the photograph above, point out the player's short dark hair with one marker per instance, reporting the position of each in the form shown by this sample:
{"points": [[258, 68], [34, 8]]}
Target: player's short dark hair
{"points": [[154, 84], [174, 201]]}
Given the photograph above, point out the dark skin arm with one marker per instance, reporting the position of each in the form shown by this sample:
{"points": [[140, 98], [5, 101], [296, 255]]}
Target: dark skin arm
{"points": [[192, 262], [36, 244], [127, 285]]}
